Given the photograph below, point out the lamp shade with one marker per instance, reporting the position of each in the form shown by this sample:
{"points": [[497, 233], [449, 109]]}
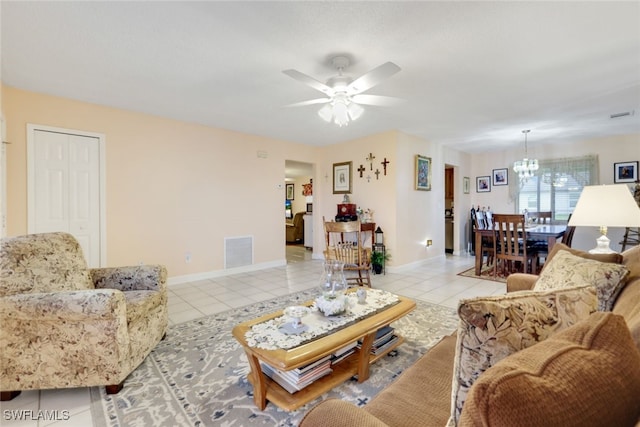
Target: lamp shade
{"points": [[606, 205]]}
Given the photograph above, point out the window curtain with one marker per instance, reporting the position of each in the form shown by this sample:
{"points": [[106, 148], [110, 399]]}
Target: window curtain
{"points": [[569, 171]]}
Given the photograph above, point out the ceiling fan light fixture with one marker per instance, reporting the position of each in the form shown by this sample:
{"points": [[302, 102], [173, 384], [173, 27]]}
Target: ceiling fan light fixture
{"points": [[326, 113], [355, 111], [340, 113]]}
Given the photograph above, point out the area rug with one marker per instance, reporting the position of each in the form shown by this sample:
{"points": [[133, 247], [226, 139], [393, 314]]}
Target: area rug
{"points": [[197, 376], [486, 273]]}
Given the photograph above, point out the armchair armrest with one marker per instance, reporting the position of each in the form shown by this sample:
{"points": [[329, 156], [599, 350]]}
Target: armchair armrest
{"points": [[70, 306], [336, 413], [133, 278], [521, 282]]}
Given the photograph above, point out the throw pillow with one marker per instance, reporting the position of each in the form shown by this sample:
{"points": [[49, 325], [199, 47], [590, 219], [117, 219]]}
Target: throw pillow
{"points": [[588, 372], [492, 328], [612, 257], [566, 270]]}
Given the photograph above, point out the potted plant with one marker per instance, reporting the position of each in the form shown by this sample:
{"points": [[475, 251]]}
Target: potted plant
{"points": [[378, 259]]}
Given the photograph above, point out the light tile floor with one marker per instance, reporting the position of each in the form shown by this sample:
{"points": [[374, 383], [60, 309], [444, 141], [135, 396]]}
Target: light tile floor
{"points": [[435, 281]]}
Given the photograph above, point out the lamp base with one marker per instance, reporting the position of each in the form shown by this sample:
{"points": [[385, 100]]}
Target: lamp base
{"points": [[602, 246]]}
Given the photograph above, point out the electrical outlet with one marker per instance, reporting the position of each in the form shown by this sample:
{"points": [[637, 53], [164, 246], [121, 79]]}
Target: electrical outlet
{"points": [[187, 257]]}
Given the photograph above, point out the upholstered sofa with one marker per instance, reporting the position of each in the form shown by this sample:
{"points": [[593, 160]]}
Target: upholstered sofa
{"points": [[582, 373], [65, 325], [294, 230]]}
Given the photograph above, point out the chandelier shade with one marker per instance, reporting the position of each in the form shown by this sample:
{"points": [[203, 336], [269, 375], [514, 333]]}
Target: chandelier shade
{"points": [[525, 168]]}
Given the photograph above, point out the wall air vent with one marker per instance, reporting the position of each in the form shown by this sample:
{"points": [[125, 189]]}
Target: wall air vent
{"points": [[238, 251]]}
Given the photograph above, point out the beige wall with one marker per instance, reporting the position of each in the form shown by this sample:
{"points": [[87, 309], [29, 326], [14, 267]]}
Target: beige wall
{"points": [[172, 187], [610, 150]]}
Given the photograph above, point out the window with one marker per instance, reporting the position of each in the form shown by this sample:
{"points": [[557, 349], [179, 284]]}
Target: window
{"points": [[556, 186]]}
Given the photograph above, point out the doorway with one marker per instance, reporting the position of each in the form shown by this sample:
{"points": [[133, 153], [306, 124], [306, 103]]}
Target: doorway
{"points": [[66, 186], [298, 210], [448, 208]]}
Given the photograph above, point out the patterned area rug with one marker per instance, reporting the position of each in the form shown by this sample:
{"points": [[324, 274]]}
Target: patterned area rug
{"points": [[486, 273], [197, 376]]}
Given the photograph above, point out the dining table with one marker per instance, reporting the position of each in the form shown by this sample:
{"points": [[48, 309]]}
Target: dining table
{"points": [[550, 233]]}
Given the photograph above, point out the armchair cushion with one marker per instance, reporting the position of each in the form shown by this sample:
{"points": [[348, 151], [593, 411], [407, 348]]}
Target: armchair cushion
{"points": [[42, 263]]}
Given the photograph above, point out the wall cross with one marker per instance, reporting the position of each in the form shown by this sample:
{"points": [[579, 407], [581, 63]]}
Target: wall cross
{"points": [[370, 160], [384, 165], [377, 172], [361, 169]]}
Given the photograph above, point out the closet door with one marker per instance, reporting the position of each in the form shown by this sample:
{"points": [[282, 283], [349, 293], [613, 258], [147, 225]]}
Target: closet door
{"points": [[66, 188]]}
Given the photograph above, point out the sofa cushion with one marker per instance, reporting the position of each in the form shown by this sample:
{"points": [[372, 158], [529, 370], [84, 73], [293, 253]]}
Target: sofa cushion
{"points": [[492, 328], [566, 270], [628, 302], [588, 374], [614, 257]]}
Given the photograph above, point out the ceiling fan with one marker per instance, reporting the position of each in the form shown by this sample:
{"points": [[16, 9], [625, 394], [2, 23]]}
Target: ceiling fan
{"points": [[345, 94]]}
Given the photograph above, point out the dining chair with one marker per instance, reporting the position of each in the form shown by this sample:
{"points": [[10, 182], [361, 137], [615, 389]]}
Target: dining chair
{"points": [[484, 226], [344, 243], [511, 243], [567, 238], [542, 217]]}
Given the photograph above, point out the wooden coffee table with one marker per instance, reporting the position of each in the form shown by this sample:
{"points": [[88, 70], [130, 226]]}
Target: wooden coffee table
{"points": [[264, 388]]}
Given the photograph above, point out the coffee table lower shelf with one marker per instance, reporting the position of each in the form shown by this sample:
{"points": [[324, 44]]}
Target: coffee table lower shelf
{"points": [[342, 372]]}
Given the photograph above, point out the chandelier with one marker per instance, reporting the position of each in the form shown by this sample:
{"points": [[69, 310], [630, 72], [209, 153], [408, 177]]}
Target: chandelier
{"points": [[525, 168], [340, 110]]}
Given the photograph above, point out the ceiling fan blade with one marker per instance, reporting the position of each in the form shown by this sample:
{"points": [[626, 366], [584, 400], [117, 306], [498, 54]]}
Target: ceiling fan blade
{"points": [[309, 81], [310, 102], [372, 78], [385, 101]]}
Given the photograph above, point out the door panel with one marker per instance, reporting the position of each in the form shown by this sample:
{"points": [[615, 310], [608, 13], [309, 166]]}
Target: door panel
{"points": [[67, 188]]}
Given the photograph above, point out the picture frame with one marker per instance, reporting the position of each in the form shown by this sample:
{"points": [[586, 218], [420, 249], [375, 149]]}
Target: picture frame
{"points": [[342, 178], [483, 184], [423, 173], [290, 195], [500, 177], [466, 185], [625, 172]]}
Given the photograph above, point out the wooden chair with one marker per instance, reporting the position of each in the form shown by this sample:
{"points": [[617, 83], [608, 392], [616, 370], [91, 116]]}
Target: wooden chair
{"points": [[511, 243], [568, 234], [344, 243], [484, 226], [542, 217]]}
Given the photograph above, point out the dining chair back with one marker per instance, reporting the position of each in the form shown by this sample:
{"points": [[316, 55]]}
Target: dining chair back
{"points": [[567, 238], [344, 243], [484, 227], [511, 242]]}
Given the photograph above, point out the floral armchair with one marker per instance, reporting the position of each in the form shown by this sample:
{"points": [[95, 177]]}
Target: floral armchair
{"points": [[65, 325]]}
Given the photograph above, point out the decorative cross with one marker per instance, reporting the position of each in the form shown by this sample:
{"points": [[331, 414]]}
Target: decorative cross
{"points": [[384, 165], [361, 169], [377, 172], [368, 178], [370, 160]]}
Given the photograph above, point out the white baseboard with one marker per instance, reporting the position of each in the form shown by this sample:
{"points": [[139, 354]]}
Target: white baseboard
{"points": [[175, 280]]}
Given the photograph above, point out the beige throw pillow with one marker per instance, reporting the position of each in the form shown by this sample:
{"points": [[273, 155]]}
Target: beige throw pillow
{"points": [[566, 270], [492, 328]]}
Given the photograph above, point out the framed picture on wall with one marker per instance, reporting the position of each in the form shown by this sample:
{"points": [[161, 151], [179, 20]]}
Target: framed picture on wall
{"points": [[423, 173], [342, 178], [625, 172], [500, 177], [483, 184], [290, 193], [466, 185]]}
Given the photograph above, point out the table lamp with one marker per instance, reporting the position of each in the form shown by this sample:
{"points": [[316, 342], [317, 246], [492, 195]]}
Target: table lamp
{"points": [[605, 206]]}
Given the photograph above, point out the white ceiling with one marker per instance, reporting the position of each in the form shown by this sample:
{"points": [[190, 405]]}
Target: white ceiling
{"points": [[474, 74]]}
